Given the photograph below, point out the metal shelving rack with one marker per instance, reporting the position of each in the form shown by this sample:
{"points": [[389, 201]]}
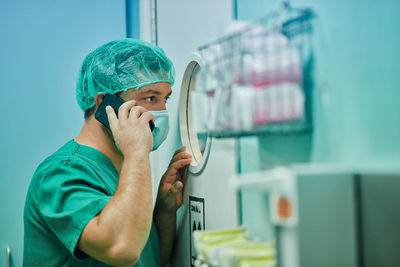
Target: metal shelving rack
{"points": [[259, 79]]}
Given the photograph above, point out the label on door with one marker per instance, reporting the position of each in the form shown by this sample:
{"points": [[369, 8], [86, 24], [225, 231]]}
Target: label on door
{"points": [[196, 222]]}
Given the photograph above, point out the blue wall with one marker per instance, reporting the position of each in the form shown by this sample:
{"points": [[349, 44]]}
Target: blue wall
{"points": [[42, 46], [360, 59]]}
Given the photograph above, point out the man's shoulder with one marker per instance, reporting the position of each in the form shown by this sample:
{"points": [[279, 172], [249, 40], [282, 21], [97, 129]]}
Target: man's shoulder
{"points": [[73, 165], [65, 162], [62, 167], [63, 156]]}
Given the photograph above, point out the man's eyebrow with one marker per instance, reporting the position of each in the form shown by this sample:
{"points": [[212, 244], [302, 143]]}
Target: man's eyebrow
{"points": [[154, 92]]}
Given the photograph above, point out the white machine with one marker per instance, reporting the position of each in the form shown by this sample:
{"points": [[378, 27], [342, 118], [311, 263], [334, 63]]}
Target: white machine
{"points": [[209, 201]]}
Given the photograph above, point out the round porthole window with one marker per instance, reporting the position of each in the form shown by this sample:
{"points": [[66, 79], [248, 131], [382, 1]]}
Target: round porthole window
{"points": [[192, 116]]}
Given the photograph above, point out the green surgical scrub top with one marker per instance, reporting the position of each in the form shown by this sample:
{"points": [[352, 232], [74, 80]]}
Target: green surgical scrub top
{"points": [[67, 190]]}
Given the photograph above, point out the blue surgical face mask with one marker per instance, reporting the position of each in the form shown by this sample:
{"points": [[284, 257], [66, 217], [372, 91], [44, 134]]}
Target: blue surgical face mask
{"points": [[160, 131]]}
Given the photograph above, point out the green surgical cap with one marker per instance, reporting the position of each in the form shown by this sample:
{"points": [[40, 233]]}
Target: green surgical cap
{"points": [[120, 65]]}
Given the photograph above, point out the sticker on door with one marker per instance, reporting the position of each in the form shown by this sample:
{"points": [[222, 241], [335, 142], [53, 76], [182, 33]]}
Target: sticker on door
{"points": [[196, 222]]}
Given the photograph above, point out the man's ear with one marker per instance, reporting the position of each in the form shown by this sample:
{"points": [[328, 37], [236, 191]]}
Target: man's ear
{"points": [[98, 99]]}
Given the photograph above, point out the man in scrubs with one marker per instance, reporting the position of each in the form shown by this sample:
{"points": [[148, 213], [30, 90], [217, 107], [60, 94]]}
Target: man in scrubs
{"points": [[90, 203]]}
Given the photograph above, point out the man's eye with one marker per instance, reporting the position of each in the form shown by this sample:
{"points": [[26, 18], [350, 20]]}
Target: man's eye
{"points": [[149, 99]]}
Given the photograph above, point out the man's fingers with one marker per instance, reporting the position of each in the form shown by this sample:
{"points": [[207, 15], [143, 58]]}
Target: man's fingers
{"points": [[136, 111], [176, 188], [112, 117], [147, 116], [172, 199], [123, 111], [181, 163], [181, 155], [183, 148]]}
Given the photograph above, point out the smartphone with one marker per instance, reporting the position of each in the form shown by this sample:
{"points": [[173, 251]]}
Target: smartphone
{"points": [[115, 102]]}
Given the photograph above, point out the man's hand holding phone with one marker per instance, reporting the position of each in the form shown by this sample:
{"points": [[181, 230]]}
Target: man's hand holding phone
{"points": [[130, 129]]}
